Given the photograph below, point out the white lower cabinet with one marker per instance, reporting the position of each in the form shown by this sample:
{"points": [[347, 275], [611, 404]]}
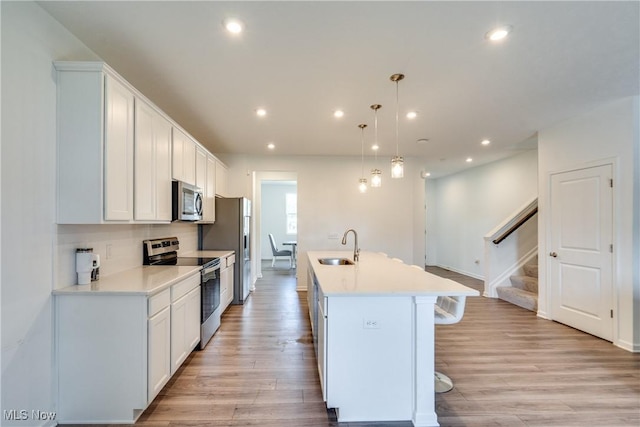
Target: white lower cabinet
{"points": [[185, 326], [159, 362], [226, 281], [321, 352], [114, 351]]}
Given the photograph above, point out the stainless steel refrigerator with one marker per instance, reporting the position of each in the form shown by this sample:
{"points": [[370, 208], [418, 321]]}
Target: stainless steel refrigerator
{"points": [[232, 230]]}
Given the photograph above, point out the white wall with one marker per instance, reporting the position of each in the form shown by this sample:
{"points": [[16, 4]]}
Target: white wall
{"points": [[463, 207], [31, 40], [37, 254], [388, 219], [607, 134], [274, 216]]}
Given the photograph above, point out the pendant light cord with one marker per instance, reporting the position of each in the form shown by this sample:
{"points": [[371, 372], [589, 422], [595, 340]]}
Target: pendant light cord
{"points": [[375, 125], [362, 151], [397, 118]]}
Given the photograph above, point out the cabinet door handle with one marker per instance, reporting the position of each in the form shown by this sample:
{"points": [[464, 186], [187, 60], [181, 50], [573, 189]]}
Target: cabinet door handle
{"points": [[553, 254]]}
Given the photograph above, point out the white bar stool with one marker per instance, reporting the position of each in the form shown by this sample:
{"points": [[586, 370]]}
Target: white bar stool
{"points": [[448, 310]]}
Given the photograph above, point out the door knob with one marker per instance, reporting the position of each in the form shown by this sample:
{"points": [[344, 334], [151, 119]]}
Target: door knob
{"points": [[553, 254]]}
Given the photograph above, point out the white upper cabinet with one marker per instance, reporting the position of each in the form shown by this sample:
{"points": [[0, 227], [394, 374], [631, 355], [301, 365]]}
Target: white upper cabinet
{"points": [[201, 168], [152, 165], [209, 210], [95, 144], [117, 152], [221, 179], [184, 157], [206, 180], [118, 147]]}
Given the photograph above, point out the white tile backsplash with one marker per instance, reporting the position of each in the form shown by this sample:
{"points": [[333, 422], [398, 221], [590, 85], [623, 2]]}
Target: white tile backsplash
{"points": [[126, 246]]}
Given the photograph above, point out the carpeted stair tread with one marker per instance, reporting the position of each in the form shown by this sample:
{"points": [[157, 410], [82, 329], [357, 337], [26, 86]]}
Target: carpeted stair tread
{"points": [[519, 297], [531, 270], [526, 283]]}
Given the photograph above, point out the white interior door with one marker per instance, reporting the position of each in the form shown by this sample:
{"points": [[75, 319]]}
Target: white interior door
{"points": [[580, 258]]}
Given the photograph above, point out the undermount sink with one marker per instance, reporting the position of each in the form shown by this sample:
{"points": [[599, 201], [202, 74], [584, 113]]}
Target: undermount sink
{"points": [[335, 261]]}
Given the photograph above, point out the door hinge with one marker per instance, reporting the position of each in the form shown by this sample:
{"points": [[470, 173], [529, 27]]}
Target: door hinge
{"points": [[611, 248], [612, 313], [611, 182]]}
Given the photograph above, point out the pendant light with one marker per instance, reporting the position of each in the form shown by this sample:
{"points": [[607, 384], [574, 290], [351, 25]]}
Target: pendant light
{"points": [[362, 186], [397, 162], [376, 174]]}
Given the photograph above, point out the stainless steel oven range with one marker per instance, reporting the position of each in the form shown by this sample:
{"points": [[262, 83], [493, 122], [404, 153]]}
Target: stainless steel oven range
{"points": [[164, 252]]}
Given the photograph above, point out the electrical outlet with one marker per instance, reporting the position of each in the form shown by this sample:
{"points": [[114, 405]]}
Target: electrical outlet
{"points": [[370, 324], [334, 236], [108, 252]]}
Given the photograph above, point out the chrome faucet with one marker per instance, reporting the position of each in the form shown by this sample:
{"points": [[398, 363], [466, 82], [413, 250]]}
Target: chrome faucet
{"points": [[356, 249]]}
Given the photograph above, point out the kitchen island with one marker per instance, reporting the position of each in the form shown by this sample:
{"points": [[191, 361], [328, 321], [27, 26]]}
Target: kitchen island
{"points": [[373, 329]]}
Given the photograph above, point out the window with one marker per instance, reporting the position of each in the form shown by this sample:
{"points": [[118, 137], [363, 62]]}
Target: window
{"points": [[291, 210]]}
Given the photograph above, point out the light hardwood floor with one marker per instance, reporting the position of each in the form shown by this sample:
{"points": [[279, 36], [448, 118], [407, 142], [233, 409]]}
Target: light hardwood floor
{"points": [[509, 369]]}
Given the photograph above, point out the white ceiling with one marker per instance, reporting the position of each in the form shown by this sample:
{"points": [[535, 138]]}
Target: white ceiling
{"points": [[303, 60]]}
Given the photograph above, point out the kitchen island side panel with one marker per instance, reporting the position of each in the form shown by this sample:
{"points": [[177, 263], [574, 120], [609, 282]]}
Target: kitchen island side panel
{"points": [[369, 366]]}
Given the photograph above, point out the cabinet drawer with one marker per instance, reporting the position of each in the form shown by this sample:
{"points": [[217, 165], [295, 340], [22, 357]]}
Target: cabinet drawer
{"points": [[231, 259], [182, 288], [158, 302]]}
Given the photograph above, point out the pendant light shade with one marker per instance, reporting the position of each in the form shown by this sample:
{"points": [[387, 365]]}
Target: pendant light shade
{"points": [[362, 186], [362, 182], [376, 174], [397, 167], [397, 162], [376, 178]]}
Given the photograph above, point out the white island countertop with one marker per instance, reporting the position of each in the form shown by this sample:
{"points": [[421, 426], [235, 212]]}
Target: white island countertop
{"points": [[144, 280], [376, 274]]}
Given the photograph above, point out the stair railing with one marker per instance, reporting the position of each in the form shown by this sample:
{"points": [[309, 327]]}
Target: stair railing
{"points": [[505, 259], [525, 215]]}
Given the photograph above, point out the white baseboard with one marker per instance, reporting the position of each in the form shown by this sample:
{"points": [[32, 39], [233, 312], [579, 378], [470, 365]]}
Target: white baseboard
{"points": [[628, 346], [543, 315], [466, 273]]}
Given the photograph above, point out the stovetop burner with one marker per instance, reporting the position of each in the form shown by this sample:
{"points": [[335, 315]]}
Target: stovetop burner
{"points": [[188, 261], [164, 252]]}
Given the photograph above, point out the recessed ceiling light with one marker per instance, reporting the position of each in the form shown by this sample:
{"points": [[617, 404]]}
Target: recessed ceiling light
{"points": [[338, 113], [233, 26], [469, 160], [485, 142], [261, 112], [499, 33], [412, 114], [271, 146]]}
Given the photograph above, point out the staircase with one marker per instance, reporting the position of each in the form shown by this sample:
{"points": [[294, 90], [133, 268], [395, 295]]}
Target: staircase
{"points": [[523, 291]]}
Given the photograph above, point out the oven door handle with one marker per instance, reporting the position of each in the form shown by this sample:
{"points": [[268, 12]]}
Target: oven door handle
{"points": [[211, 271]]}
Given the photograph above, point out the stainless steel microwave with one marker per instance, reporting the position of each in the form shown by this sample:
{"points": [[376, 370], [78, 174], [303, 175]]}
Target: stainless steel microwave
{"points": [[187, 202]]}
